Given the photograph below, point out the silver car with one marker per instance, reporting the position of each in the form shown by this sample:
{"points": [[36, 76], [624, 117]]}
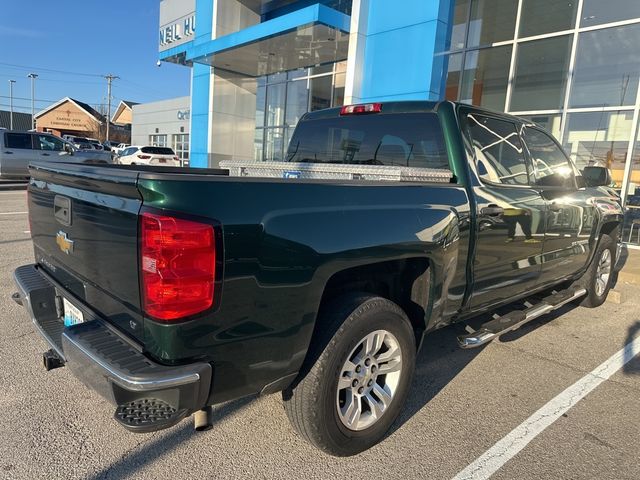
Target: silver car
{"points": [[18, 149]]}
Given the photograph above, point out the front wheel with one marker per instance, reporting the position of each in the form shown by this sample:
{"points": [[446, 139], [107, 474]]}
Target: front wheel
{"points": [[598, 278], [357, 378]]}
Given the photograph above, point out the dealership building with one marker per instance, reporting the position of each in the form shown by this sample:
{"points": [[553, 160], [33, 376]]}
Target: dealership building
{"points": [[572, 66]]}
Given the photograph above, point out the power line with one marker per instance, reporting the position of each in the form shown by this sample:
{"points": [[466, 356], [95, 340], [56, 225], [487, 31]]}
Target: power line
{"points": [[51, 70], [25, 98]]}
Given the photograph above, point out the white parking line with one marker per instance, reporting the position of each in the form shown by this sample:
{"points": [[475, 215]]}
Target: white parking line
{"points": [[503, 451], [13, 213]]}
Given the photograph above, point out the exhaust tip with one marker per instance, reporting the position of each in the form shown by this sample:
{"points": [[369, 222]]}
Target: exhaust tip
{"points": [[203, 419], [51, 360]]}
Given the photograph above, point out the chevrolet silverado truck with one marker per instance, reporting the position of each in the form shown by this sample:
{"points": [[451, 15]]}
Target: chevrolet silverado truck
{"points": [[171, 290]]}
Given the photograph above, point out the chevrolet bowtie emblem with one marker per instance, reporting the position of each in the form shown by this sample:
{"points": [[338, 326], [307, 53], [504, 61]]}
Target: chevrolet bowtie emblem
{"points": [[64, 243]]}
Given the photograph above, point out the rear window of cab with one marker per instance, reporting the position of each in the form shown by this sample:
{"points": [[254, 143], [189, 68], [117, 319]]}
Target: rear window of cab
{"points": [[407, 140]]}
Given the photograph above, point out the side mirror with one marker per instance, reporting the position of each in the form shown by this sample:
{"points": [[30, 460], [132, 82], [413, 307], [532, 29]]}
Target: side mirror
{"points": [[596, 176], [68, 148]]}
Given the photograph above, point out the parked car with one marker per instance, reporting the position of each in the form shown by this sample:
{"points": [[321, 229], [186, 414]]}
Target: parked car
{"points": [[136, 155], [121, 146], [18, 149], [170, 290], [110, 146]]}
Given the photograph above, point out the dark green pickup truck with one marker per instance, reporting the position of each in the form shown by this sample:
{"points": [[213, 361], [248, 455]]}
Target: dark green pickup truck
{"points": [[171, 290]]}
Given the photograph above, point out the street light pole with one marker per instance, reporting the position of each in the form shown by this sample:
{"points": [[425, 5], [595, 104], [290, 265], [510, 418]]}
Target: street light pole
{"points": [[33, 77], [110, 78], [11, 82]]}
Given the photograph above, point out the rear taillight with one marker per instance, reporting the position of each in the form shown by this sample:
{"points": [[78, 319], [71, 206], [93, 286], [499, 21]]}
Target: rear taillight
{"points": [[176, 159], [144, 157], [360, 109], [178, 266]]}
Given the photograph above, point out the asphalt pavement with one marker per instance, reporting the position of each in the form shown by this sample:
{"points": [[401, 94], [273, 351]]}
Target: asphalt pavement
{"points": [[462, 404]]}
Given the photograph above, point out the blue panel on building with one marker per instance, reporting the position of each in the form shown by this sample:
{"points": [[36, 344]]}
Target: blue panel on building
{"points": [[401, 44]]}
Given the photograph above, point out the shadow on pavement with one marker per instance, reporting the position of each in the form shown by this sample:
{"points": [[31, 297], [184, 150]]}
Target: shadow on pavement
{"points": [[632, 364], [162, 443], [440, 360]]}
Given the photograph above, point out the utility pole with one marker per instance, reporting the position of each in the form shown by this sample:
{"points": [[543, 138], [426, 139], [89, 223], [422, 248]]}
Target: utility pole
{"points": [[110, 78], [33, 77], [11, 82]]}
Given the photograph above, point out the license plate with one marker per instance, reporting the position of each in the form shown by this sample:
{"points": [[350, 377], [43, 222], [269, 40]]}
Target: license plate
{"points": [[72, 314], [163, 160]]}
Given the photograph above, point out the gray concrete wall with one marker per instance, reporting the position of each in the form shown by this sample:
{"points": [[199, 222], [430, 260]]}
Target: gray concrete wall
{"points": [[160, 118]]}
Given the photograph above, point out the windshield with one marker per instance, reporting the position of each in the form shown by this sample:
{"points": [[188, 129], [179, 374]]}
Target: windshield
{"points": [[409, 140], [157, 150]]}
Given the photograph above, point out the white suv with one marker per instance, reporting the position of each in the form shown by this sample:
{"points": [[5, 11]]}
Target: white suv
{"points": [[135, 155]]}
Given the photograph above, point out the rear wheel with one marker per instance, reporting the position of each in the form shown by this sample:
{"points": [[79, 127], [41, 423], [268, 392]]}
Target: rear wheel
{"points": [[357, 378], [598, 278]]}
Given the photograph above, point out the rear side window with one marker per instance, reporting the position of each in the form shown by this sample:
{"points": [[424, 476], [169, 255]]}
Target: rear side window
{"points": [[18, 140], [407, 140], [499, 154], [552, 168], [47, 142], [157, 150]]}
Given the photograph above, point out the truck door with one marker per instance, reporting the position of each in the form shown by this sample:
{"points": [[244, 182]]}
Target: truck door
{"points": [[50, 148], [510, 212], [571, 216], [16, 154]]}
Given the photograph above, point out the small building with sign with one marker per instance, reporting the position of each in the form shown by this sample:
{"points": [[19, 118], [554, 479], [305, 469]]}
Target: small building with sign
{"points": [[73, 117], [163, 124]]}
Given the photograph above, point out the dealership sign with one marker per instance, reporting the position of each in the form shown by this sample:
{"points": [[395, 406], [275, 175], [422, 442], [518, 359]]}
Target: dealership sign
{"points": [[178, 31], [184, 114]]}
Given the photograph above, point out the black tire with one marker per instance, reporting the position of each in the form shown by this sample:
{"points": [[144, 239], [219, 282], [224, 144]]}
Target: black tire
{"points": [[311, 403], [595, 298]]}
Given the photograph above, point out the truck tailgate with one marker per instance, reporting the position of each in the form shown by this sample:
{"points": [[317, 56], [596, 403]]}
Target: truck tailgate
{"points": [[84, 225]]}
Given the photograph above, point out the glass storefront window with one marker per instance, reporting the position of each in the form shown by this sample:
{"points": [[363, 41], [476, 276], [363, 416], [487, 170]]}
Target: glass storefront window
{"points": [[275, 104], [599, 138], [541, 72], [274, 144], [492, 21], [459, 29], [293, 74], [277, 77], [321, 92], [597, 12], [454, 68], [297, 101], [485, 77], [607, 67], [181, 146], [551, 123], [158, 140], [631, 226], [546, 16], [338, 90], [260, 100], [258, 145], [321, 69]]}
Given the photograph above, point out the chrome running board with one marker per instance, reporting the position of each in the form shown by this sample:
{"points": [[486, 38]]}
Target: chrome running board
{"points": [[514, 320]]}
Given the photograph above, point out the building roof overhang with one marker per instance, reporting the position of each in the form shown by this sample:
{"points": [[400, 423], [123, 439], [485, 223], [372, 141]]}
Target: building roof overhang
{"points": [[307, 37]]}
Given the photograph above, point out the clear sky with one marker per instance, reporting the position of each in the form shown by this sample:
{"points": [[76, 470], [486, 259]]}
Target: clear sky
{"points": [[70, 44]]}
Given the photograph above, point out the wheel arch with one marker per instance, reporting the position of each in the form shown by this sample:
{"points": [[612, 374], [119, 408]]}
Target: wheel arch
{"points": [[406, 282]]}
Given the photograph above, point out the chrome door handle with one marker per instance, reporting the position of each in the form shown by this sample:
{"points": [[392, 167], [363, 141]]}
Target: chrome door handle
{"points": [[45, 154]]}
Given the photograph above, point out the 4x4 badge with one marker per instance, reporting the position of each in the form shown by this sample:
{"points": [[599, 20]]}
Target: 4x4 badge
{"points": [[64, 243]]}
